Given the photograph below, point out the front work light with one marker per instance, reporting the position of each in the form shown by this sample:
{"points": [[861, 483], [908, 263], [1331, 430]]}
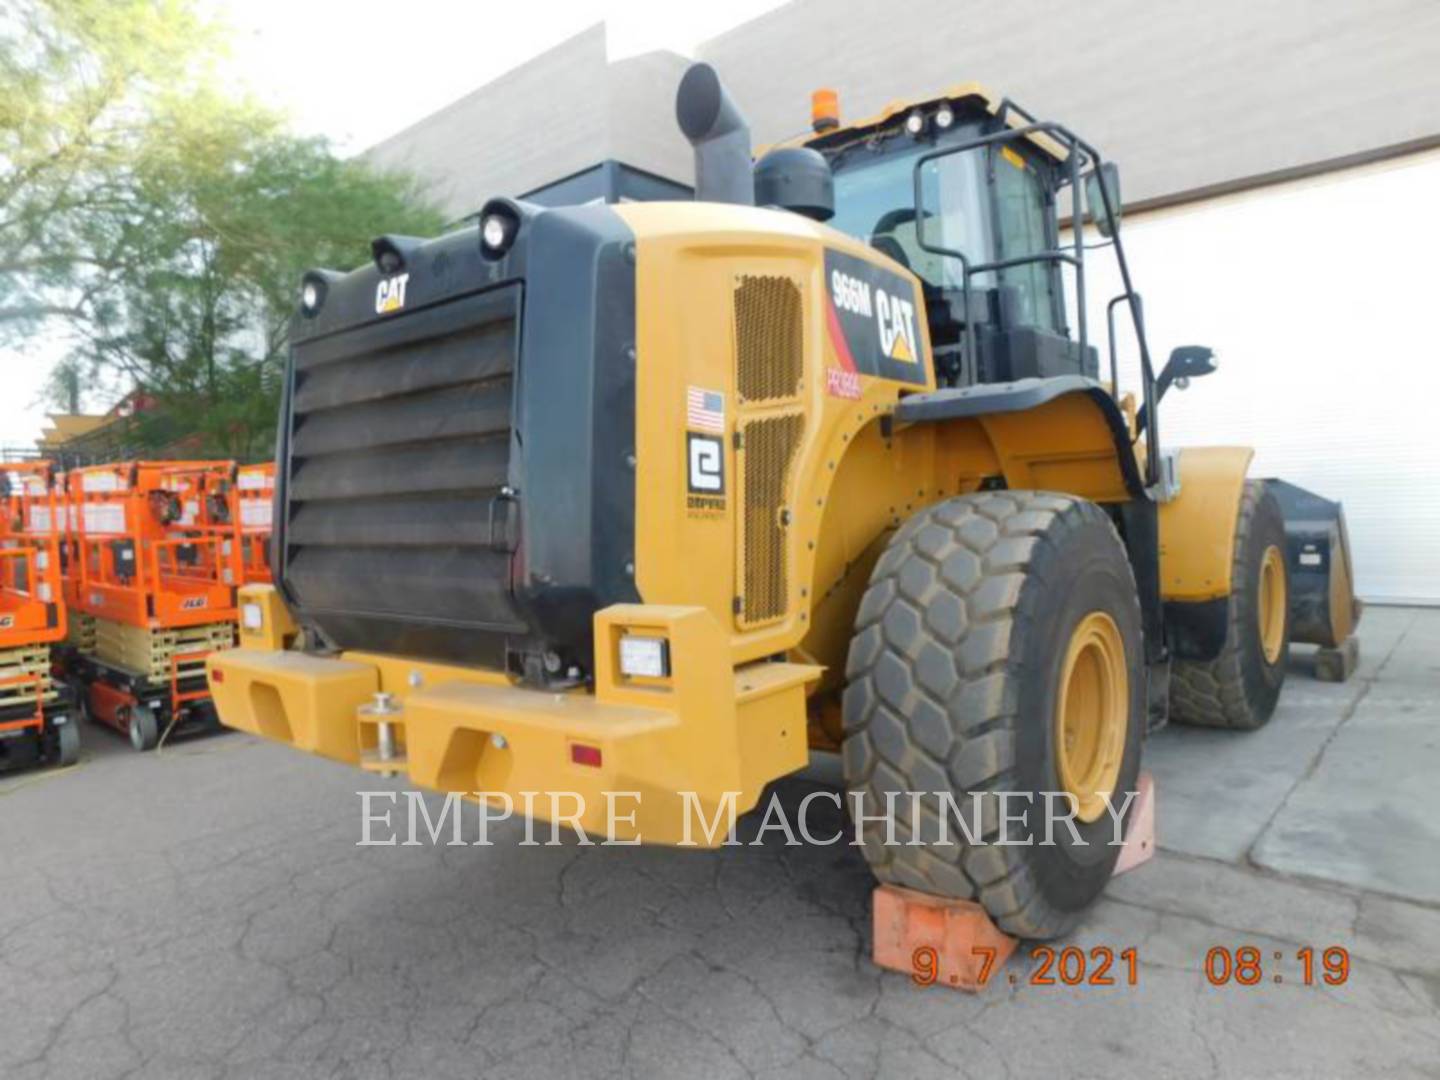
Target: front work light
{"points": [[915, 123], [314, 288], [501, 223], [497, 233], [644, 657], [944, 117]]}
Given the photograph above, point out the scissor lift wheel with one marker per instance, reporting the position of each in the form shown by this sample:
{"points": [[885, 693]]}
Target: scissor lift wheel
{"points": [[143, 728]]}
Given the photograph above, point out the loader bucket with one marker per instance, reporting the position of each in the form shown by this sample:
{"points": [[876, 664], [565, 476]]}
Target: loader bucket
{"points": [[1323, 607]]}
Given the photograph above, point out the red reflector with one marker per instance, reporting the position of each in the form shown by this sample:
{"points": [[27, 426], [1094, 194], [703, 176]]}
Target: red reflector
{"points": [[217, 675], [585, 755]]}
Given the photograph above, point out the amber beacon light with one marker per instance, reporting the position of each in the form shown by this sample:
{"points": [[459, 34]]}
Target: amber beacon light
{"points": [[824, 110]]}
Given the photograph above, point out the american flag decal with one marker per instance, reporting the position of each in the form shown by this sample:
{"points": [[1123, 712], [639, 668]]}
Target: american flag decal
{"points": [[705, 410]]}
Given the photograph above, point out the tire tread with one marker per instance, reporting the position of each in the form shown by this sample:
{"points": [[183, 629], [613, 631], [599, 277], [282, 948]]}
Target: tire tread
{"points": [[1007, 532], [1211, 693]]}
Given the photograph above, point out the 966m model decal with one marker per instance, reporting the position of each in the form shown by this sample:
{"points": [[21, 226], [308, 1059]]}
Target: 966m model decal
{"points": [[873, 317]]}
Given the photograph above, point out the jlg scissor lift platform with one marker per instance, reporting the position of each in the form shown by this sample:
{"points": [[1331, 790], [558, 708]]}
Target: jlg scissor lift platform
{"points": [[36, 715], [253, 513], [151, 580]]}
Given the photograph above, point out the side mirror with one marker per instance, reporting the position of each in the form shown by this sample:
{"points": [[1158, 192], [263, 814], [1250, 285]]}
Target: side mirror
{"points": [[1107, 174], [1186, 362]]}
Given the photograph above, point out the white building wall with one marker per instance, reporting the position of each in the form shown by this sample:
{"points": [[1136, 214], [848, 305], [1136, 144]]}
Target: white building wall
{"points": [[1321, 298], [564, 111], [1188, 97]]}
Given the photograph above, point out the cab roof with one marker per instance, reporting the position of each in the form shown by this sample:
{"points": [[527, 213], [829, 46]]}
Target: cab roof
{"points": [[969, 97]]}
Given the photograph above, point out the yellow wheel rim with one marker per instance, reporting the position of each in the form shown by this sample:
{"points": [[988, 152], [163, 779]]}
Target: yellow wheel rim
{"points": [[1092, 714], [1271, 606]]}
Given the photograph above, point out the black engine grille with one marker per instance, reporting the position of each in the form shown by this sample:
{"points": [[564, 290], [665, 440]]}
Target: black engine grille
{"points": [[399, 446]]}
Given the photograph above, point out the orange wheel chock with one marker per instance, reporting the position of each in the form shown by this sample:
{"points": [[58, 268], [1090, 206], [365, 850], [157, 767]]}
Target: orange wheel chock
{"points": [[940, 941]]}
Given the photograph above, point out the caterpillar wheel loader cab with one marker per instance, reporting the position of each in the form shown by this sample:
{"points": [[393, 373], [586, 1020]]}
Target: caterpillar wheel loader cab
{"points": [[655, 498]]}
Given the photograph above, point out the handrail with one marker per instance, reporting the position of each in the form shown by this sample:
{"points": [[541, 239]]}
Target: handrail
{"points": [[1110, 331], [27, 554], [1081, 154], [214, 575]]}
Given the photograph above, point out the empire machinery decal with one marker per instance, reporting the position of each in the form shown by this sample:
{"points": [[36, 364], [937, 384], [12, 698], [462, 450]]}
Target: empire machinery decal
{"points": [[871, 315], [706, 455], [705, 451]]}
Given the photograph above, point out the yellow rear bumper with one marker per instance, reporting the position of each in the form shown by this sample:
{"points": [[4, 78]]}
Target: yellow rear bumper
{"points": [[710, 730]]}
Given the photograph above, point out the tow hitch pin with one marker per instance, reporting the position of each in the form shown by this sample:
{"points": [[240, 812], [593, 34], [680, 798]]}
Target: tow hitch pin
{"points": [[385, 731]]}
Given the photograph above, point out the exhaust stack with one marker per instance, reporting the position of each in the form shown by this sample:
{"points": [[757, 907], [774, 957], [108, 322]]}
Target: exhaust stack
{"points": [[720, 136]]}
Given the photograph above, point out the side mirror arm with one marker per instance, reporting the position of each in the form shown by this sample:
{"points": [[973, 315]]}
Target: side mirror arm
{"points": [[1186, 362]]}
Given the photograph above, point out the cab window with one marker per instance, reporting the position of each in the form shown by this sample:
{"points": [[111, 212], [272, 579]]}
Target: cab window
{"points": [[988, 204], [1021, 212], [876, 204]]}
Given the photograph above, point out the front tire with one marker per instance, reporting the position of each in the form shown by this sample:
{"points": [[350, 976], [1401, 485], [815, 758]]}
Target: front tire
{"points": [[998, 648], [1240, 687]]}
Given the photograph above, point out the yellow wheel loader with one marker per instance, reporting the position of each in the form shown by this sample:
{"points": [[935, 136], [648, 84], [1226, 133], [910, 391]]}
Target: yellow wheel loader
{"points": [[659, 498]]}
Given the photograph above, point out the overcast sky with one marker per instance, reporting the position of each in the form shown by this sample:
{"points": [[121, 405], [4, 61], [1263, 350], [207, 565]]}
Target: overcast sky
{"points": [[359, 70]]}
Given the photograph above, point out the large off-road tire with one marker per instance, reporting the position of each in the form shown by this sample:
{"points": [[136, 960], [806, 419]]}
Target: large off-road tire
{"points": [[1239, 688], [979, 614]]}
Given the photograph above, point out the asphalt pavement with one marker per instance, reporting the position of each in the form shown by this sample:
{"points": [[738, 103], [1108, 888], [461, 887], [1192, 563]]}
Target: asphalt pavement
{"points": [[206, 912]]}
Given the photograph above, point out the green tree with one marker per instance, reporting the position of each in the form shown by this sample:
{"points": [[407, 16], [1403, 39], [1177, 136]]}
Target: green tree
{"points": [[65, 386], [76, 77], [165, 222], [228, 210]]}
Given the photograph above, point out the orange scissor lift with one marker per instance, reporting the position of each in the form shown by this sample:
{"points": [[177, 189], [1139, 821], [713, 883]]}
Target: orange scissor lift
{"points": [[36, 709], [254, 512], [153, 563]]}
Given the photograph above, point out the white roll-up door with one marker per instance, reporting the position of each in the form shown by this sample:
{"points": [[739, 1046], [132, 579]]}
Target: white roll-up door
{"points": [[1322, 298]]}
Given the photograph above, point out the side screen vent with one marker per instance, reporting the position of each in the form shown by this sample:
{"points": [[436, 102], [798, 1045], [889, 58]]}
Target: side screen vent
{"points": [[767, 450], [769, 338]]}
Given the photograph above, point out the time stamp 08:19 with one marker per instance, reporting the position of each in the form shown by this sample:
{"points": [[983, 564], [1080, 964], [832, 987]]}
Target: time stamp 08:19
{"points": [[1244, 965]]}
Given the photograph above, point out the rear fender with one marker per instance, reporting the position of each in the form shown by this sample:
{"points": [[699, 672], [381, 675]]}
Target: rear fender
{"points": [[1064, 433]]}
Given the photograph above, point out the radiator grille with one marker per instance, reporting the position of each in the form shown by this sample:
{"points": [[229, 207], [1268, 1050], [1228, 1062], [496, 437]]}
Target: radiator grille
{"points": [[399, 445], [768, 447], [768, 338]]}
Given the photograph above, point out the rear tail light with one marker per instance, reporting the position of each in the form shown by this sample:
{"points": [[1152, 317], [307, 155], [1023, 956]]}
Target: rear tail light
{"points": [[581, 754]]}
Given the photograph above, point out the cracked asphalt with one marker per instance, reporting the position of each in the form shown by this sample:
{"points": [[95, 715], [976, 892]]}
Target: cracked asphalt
{"points": [[205, 912]]}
